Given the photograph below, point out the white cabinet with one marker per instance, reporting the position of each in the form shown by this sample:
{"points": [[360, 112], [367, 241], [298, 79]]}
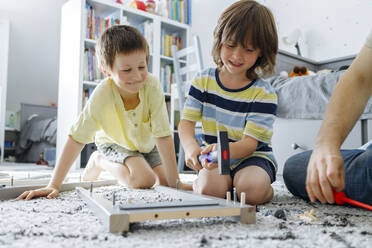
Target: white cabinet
{"points": [[4, 50], [290, 133], [74, 84]]}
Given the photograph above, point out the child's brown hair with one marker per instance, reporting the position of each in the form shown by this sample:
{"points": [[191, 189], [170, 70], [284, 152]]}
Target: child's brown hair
{"points": [[244, 22], [119, 39]]}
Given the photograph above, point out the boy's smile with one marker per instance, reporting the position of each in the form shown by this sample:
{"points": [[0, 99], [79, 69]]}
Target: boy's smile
{"points": [[235, 64], [237, 59], [129, 72]]}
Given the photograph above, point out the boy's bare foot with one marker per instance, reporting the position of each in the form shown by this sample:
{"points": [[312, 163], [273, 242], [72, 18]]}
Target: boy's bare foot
{"points": [[92, 170], [195, 185], [185, 186]]}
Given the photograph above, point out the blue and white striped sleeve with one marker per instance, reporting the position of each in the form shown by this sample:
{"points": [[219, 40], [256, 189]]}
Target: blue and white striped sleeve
{"points": [[260, 119], [193, 108]]}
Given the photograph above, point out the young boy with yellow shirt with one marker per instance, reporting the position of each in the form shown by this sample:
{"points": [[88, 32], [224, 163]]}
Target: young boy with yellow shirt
{"points": [[126, 117]]}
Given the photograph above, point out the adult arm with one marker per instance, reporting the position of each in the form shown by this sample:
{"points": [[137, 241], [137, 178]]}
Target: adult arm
{"points": [[325, 171]]}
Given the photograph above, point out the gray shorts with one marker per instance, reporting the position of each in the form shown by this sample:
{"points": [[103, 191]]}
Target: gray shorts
{"points": [[118, 154]]}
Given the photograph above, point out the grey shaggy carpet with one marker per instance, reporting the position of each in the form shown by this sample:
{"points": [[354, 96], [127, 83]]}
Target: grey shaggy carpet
{"points": [[68, 222]]}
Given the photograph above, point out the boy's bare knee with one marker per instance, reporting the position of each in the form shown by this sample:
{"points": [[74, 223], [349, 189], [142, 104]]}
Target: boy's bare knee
{"points": [[208, 189], [93, 168], [195, 186], [143, 181], [256, 193], [162, 182]]}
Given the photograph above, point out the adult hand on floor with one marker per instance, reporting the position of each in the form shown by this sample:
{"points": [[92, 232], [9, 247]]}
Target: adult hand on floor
{"points": [[49, 192], [325, 174]]}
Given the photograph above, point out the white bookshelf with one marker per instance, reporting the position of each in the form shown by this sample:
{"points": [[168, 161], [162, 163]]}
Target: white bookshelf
{"points": [[73, 43], [4, 51]]}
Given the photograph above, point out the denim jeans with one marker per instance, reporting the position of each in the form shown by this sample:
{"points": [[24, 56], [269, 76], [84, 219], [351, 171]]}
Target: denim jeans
{"points": [[358, 174]]}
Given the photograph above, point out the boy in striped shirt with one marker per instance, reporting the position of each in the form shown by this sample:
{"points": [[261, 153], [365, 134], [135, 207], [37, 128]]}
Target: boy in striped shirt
{"points": [[233, 98]]}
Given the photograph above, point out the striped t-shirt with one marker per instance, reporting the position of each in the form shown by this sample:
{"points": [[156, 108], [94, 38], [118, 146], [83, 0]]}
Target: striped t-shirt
{"points": [[248, 111]]}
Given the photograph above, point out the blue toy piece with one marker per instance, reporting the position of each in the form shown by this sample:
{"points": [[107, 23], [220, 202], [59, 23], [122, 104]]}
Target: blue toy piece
{"points": [[211, 157], [221, 156]]}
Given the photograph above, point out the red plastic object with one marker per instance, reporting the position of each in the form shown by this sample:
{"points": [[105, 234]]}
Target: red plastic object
{"points": [[340, 198], [138, 5], [225, 154]]}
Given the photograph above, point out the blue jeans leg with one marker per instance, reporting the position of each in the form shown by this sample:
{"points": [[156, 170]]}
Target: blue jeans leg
{"points": [[358, 174]]}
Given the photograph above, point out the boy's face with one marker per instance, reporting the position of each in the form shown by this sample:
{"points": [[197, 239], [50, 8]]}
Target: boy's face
{"points": [[238, 59], [129, 71]]}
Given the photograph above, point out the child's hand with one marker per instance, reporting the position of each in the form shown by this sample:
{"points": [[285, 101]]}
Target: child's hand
{"points": [[49, 192], [191, 159], [209, 165]]}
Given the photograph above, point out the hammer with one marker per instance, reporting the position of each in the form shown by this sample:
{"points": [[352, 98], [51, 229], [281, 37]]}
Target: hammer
{"points": [[222, 155]]}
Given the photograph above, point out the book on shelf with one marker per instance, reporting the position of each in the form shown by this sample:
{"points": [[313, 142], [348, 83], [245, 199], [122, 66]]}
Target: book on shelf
{"points": [[166, 77], [169, 39], [179, 10], [91, 69], [86, 94], [97, 24]]}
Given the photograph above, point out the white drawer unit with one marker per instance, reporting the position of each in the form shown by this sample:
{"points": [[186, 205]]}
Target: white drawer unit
{"points": [[293, 136]]}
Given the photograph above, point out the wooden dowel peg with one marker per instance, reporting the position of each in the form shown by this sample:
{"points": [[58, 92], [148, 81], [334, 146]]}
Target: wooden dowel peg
{"points": [[242, 199], [228, 197]]}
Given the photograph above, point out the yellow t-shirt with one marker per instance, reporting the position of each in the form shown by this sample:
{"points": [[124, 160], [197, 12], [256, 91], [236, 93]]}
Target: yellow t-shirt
{"points": [[105, 120]]}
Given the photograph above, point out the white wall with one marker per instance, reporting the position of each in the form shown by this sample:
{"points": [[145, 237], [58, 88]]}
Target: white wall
{"points": [[330, 28], [33, 51], [204, 17]]}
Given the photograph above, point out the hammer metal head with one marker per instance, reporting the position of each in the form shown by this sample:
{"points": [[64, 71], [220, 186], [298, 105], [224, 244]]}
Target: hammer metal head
{"points": [[223, 153], [221, 156]]}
